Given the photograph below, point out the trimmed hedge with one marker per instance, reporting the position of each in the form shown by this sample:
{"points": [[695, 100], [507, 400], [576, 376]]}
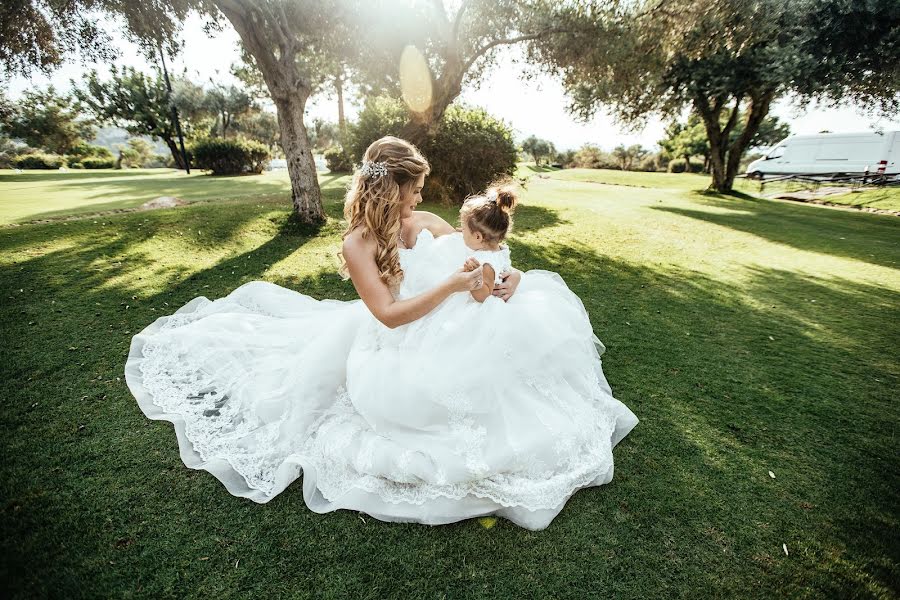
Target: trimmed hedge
{"points": [[678, 165], [39, 160], [98, 163], [230, 156], [338, 161]]}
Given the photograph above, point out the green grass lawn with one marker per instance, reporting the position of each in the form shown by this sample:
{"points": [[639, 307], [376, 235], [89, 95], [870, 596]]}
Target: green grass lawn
{"points": [[34, 195], [748, 336]]}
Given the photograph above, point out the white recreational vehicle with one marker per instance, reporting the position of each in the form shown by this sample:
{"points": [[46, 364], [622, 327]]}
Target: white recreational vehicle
{"points": [[832, 154]]}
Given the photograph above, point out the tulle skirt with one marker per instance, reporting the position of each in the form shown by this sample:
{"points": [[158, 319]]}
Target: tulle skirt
{"points": [[476, 409]]}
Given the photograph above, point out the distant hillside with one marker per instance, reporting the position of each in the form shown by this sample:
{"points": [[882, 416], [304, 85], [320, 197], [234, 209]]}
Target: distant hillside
{"points": [[113, 137]]}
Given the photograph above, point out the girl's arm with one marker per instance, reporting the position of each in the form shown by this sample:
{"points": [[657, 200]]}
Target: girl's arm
{"points": [[481, 293], [374, 292]]}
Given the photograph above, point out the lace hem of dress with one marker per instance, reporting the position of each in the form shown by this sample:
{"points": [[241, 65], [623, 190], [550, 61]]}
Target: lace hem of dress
{"points": [[585, 456], [176, 383], [219, 429]]}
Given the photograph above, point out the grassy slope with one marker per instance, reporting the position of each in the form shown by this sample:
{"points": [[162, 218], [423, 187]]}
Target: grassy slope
{"points": [[884, 198], [746, 335]]}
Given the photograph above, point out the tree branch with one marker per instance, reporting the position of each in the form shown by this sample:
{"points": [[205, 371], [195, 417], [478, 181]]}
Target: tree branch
{"points": [[507, 41], [732, 119], [458, 20]]}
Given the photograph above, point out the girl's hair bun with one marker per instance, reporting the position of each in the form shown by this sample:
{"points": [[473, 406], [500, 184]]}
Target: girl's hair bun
{"points": [[507, 198]]}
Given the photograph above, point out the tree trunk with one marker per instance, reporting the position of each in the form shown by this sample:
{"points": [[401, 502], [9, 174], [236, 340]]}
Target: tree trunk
{"points": [[339, 86], [289, 90], [445, 90], [305, 193], [176, 152], [687, 163], [759, 108], [725, 159], [717, 141]]}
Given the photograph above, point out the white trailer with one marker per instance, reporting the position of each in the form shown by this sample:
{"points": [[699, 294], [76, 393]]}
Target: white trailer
{"points": [[835, 154]]}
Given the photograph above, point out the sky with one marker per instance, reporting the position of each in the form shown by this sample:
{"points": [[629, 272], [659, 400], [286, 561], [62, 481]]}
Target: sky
{"points": [[534, 107]]}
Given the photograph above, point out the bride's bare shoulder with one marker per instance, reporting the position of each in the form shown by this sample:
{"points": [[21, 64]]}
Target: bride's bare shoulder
{"points": [[356, 243]]}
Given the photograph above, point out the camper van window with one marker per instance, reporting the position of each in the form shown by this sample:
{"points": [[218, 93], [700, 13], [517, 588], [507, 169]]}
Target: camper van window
{"points": [[776, 152]]}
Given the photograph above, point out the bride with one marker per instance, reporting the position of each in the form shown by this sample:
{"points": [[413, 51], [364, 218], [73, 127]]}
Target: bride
{"points": [[414, 403]]}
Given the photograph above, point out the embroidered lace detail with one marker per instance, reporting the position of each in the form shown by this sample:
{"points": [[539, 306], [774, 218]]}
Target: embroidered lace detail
{"points": [[214, 424], [582, 459]]}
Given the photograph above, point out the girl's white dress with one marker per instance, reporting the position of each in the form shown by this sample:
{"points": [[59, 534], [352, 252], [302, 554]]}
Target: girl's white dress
{"points": [[475, 409]]}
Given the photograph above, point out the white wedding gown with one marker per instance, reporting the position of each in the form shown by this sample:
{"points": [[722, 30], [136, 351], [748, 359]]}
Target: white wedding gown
{"points": [[475, 409]]}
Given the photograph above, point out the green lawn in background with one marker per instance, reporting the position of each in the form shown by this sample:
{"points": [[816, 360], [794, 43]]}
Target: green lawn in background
{"points": [[748, 336]]}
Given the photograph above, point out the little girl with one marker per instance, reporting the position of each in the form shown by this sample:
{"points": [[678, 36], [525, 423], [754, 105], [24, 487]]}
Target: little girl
{"points": [[485, 222]]}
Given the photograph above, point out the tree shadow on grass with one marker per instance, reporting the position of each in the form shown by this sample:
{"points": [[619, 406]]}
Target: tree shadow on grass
{"points": [[865, 237], [783, 374], [531, 218]]}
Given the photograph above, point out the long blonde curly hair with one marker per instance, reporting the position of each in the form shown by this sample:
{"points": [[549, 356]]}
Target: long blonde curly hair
{"points": [[373, 203]]}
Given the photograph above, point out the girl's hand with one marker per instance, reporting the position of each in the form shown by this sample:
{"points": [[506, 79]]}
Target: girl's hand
{"points": [[471, 264], [466, 281], [511, 280]]}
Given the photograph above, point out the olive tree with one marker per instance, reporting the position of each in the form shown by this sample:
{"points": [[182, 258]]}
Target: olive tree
{"points": [[728, 60]]}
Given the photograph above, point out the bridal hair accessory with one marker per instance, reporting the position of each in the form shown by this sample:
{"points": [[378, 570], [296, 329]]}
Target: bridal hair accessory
{"points": [[492, 196], [373, 170]]}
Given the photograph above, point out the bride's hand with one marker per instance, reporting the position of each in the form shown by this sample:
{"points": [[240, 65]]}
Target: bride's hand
{"points": [[511, 280], [471, 264], [466, 281]]}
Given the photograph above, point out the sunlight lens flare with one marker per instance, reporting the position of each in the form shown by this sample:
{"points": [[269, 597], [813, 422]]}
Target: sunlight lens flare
{"points": [[415, 80]]}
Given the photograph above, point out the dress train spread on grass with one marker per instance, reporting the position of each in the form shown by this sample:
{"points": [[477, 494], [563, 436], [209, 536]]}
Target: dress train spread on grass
{"points": [[475, 409]]}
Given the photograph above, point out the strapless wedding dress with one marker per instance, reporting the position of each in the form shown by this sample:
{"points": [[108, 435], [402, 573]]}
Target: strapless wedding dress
{"points": [[475, 409]]}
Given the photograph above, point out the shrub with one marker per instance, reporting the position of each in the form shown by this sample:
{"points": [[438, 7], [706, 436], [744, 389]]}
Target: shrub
{"points": [[39, 160], [381, 116], [678, 165], [338, 160], [9, 150], [565, 159], [137, 154], [81, 151], [651, 163], [470, 149], [98, 163], [592, 157], [230, 156]]}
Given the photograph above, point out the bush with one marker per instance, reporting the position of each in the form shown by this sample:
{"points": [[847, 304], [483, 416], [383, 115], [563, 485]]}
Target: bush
{"points": [[592, 157], [230, 156], [381, 116], [9, 150], [98, 163], [678, 165], [565, 159], [470, 149], [81, 151], [38, 160], [138, 154], [651, 163], [338, 160]]}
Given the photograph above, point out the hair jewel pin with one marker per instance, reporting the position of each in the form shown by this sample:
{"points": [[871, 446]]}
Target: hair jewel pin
{"points": [[373, 170]]}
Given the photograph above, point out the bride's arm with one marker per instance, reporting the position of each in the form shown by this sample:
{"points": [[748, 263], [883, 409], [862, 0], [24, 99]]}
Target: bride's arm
{"points": [[360, 257], [435, 224], [511, 279]]}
